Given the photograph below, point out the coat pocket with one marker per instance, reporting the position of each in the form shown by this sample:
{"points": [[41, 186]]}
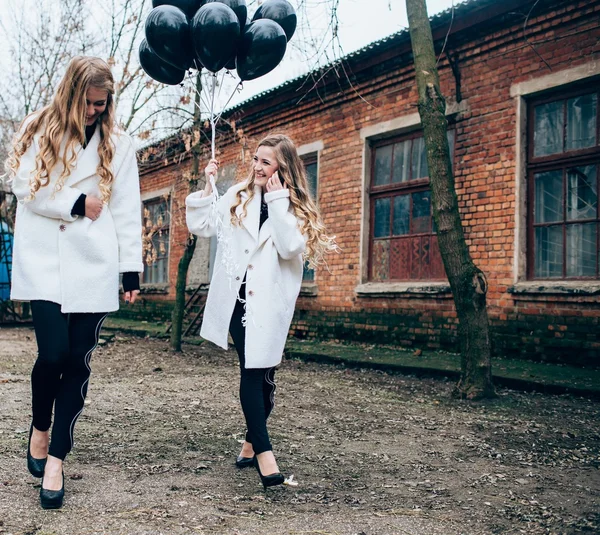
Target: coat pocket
{"points": [[282, 297], [96, 241]]}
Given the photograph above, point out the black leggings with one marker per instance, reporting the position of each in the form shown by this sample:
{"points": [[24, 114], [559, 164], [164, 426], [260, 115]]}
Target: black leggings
{"points": [[62, 370], [257, 388]]}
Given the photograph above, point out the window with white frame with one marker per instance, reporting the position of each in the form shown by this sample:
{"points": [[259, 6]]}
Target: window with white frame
{"points": [[156, 231], [563, 164], [402, 239]]}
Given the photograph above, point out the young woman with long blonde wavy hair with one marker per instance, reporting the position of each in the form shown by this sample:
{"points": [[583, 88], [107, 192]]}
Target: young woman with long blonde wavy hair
{"points": [[78, 226], [267, 226]]}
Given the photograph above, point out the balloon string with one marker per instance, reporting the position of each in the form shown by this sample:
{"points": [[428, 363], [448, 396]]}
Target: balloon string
{"points": [[199, 93], [213, 120], [229, 100], [221, 84]]}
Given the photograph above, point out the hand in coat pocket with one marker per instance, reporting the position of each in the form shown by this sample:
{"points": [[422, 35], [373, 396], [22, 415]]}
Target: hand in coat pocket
{"points": [[93, 207]]}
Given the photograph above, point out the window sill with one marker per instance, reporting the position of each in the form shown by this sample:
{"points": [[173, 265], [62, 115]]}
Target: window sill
{"points": [[309, 289], [556, 288], [154, 289], [387, 289]]}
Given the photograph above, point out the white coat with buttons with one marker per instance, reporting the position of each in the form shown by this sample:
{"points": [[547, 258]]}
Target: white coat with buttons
{"points": [[72, 260], [272, 261]]}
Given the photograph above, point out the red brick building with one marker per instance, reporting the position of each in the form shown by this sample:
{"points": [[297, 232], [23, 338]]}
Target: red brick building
{"points": [[522, 83]]}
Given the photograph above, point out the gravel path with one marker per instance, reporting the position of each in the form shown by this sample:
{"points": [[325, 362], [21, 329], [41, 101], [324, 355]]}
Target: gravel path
{"points": [[372, 453]]}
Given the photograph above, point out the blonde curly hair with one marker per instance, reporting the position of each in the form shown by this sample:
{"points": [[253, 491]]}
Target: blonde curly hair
{"points": [[292, 171], [65, 117]]}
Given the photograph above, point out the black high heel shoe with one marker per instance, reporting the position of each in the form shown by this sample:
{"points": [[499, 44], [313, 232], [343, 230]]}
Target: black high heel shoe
{"points": [[35, 466], [271, 480], [244, 462], [52, 499]]}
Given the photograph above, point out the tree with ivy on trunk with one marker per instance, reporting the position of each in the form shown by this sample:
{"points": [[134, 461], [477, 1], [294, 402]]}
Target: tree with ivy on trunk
{"points": [[467, 281], [190, 246]]}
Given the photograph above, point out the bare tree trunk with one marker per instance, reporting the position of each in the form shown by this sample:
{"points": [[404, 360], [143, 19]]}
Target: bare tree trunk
{"points": [[185, 260], [468, 283]]}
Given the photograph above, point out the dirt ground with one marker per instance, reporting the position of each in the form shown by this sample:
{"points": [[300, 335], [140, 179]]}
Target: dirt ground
{"points": [[372, 453]]}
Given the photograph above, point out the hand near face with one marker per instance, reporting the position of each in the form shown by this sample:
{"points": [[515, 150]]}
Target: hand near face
{"points": [[274, 183]]}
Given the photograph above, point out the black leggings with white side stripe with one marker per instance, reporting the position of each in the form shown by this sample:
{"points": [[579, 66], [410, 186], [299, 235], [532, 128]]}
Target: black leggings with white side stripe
{"points": [[257, 388], [62, 370]]}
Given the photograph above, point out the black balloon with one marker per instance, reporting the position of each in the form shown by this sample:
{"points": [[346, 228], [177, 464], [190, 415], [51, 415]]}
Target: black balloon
{"points": [[238, 7], [241, 11], [261, 49], [280, 11], [230, 65], [158, 69], [189, 7], [168, 35], [215, 33]]}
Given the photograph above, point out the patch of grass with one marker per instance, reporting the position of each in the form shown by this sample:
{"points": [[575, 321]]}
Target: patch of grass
{"points": [[136, 327], [511, 372], [382, 357]]}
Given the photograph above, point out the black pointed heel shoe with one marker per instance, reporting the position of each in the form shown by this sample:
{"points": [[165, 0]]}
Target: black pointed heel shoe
{"points": [[244, 462], [35, 466], [271, 480], [52, 499]]}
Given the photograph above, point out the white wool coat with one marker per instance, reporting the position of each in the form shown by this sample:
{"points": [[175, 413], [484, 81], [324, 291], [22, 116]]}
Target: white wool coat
{"points": [[272, 260], [72, 260]]}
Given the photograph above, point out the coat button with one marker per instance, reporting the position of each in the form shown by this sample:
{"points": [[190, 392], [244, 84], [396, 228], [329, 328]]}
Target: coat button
{"points": [[237, 278], [250, 293], [62, 228], [250, 266], [246, 251]]}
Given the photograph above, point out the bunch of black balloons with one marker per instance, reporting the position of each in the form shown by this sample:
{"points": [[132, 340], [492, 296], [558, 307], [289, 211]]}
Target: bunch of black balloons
{"points": [[215, 34]]}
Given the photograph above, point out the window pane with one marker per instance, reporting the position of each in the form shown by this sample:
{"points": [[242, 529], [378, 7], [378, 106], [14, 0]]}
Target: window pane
{"points": [[308, 274], [311, 177], [156, 255], [548, 252], [401, 161], [419, 159], [383, 165], [548, 129], [581, 250], [158, 213], [162, 243], [421, 212], [582, 193], [548, 197], [401, 215], [380, 262], [451, 136], [382, 218], [581, 121], [160, 271]]}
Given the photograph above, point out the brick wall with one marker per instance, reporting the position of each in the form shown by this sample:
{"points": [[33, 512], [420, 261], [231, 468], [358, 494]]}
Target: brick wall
{"points": [[491, 57], [156, 310]]}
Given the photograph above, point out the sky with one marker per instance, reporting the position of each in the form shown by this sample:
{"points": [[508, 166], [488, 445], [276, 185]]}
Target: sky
{"points": [[360, 22]]}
